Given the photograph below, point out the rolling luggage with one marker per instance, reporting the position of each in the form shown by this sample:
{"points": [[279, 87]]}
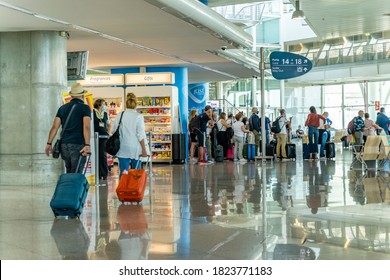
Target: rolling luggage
{"points": [[270, 149], [230, 152], [71, 238], [132, 185], [306, 151], [219, 153], [70, 193], [330, 150], [291, 151], [251, 151]]}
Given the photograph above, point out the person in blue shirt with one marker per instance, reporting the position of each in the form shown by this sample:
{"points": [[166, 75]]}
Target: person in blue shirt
{"points": [[267, 128], [383, 121]]}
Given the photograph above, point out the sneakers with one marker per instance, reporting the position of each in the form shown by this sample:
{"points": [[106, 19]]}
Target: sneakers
{"points": [[202, 162], [243, 160]]}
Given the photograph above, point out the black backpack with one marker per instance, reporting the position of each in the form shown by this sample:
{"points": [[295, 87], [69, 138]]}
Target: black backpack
{"points": [[275, 127], [195, 123]]}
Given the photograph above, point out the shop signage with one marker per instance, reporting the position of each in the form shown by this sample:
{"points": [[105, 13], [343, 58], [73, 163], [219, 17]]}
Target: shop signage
{"points": [[213, 103], [103, 80], [285, 65], [150, 79]]}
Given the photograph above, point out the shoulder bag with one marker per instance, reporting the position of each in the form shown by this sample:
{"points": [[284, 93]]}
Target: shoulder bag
{"points": [[113, 143], [57, 146]]}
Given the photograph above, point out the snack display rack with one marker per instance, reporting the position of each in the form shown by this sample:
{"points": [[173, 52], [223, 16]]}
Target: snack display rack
{"points": [[159, 106]]}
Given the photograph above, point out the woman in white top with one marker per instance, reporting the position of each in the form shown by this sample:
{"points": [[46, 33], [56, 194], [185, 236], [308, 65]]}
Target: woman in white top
{"points": [[222, 137], [238, 138], [132, 135], [370, 125]]}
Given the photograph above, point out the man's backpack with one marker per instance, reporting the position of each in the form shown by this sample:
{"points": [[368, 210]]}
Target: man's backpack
{"points": [[351, 127], [275, 127], [195, 123]]}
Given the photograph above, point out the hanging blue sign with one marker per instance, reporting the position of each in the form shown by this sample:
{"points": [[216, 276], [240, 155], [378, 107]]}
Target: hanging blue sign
{"points": [[285, 65]]}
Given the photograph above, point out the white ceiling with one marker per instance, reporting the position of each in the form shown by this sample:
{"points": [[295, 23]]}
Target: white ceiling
{"points": [[135, 21], [338, 18], [141, 23]]}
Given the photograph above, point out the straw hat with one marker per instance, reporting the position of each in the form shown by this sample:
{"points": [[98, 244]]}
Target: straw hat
{"points": [[77, 90]]}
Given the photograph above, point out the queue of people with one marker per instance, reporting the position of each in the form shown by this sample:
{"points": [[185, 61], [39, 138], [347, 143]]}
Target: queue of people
{"points": [[230, 131]]}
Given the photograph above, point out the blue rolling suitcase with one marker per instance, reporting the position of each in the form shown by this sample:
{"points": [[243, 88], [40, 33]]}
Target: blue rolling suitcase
{"points": [[251, 151], [70, 194]]}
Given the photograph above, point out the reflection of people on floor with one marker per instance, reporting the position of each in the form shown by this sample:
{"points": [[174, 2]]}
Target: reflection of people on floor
{"points": [[318, 192], [356, 188], [281, 194], [254, 197]]}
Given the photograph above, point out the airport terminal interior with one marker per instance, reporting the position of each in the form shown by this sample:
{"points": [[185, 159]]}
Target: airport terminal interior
{"points": [[199, 52]]}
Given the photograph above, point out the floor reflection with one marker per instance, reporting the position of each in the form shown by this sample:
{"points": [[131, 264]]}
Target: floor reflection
{"points": [[220, 211]]}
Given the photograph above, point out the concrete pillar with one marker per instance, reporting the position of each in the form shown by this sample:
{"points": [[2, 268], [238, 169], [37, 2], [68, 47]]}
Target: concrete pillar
{"points": [[32, 79]]}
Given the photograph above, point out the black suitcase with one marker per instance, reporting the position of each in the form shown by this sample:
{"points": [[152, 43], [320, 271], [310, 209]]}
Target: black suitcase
{"points": [[70, 193], [330, 150], [270, 149], [291, 151], [178, 148], [306, 151], [71, 238], [219, 153]]}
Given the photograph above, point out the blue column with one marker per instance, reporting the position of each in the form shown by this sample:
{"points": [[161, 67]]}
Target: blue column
{"points": [[198, 94]]}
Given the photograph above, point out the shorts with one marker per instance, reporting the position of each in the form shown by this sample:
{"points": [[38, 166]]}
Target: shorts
{"points": [[193, 137], [200, 136]]}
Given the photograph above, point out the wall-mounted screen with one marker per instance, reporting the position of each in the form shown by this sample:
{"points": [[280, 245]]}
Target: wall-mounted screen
{"points": [[77, 65]]}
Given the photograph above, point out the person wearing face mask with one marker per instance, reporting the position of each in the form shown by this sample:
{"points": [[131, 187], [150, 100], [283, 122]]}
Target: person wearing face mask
{"points": [[101, 126]]}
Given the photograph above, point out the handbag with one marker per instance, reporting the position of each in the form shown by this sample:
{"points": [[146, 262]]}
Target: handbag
{"points": [[113, 143], [57, 146]]}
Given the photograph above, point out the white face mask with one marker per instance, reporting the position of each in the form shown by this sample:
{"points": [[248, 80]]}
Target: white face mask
{"points": [[104, 108]]}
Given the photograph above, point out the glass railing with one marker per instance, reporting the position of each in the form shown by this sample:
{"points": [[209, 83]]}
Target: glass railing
{"points": [[350, 54], [228, 107]]}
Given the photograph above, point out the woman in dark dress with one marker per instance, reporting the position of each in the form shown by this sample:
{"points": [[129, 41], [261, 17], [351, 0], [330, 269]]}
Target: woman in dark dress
{"points": [[101, 125]]}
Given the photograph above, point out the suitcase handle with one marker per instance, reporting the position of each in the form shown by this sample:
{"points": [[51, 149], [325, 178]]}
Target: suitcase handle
{"points": [[140, 161], [86, 165]]}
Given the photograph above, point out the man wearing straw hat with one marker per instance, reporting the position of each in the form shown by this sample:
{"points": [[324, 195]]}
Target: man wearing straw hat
{"points": [[75, 139]]}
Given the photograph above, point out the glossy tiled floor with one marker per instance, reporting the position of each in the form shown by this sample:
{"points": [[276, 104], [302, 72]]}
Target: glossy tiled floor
{"points": [[220, 211]]}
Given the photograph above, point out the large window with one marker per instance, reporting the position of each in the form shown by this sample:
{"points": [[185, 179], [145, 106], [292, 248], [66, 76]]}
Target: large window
{"points": [[332, 104]]}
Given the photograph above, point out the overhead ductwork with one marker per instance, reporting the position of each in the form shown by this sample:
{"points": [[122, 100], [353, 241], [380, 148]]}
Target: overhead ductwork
{"points": [[206, 19]]}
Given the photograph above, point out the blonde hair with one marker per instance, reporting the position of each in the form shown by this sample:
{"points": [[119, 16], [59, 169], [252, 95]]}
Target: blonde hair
{"points": [[193, 114], [131, 101]]}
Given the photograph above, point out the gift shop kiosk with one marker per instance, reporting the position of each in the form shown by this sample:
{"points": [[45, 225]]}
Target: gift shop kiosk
{"points": [[160, 106]]}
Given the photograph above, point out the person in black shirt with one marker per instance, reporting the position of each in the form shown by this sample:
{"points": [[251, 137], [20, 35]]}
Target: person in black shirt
{"points": [[300, 132], [76, 137], [101, 125], [254, 125], [205, 118]]}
